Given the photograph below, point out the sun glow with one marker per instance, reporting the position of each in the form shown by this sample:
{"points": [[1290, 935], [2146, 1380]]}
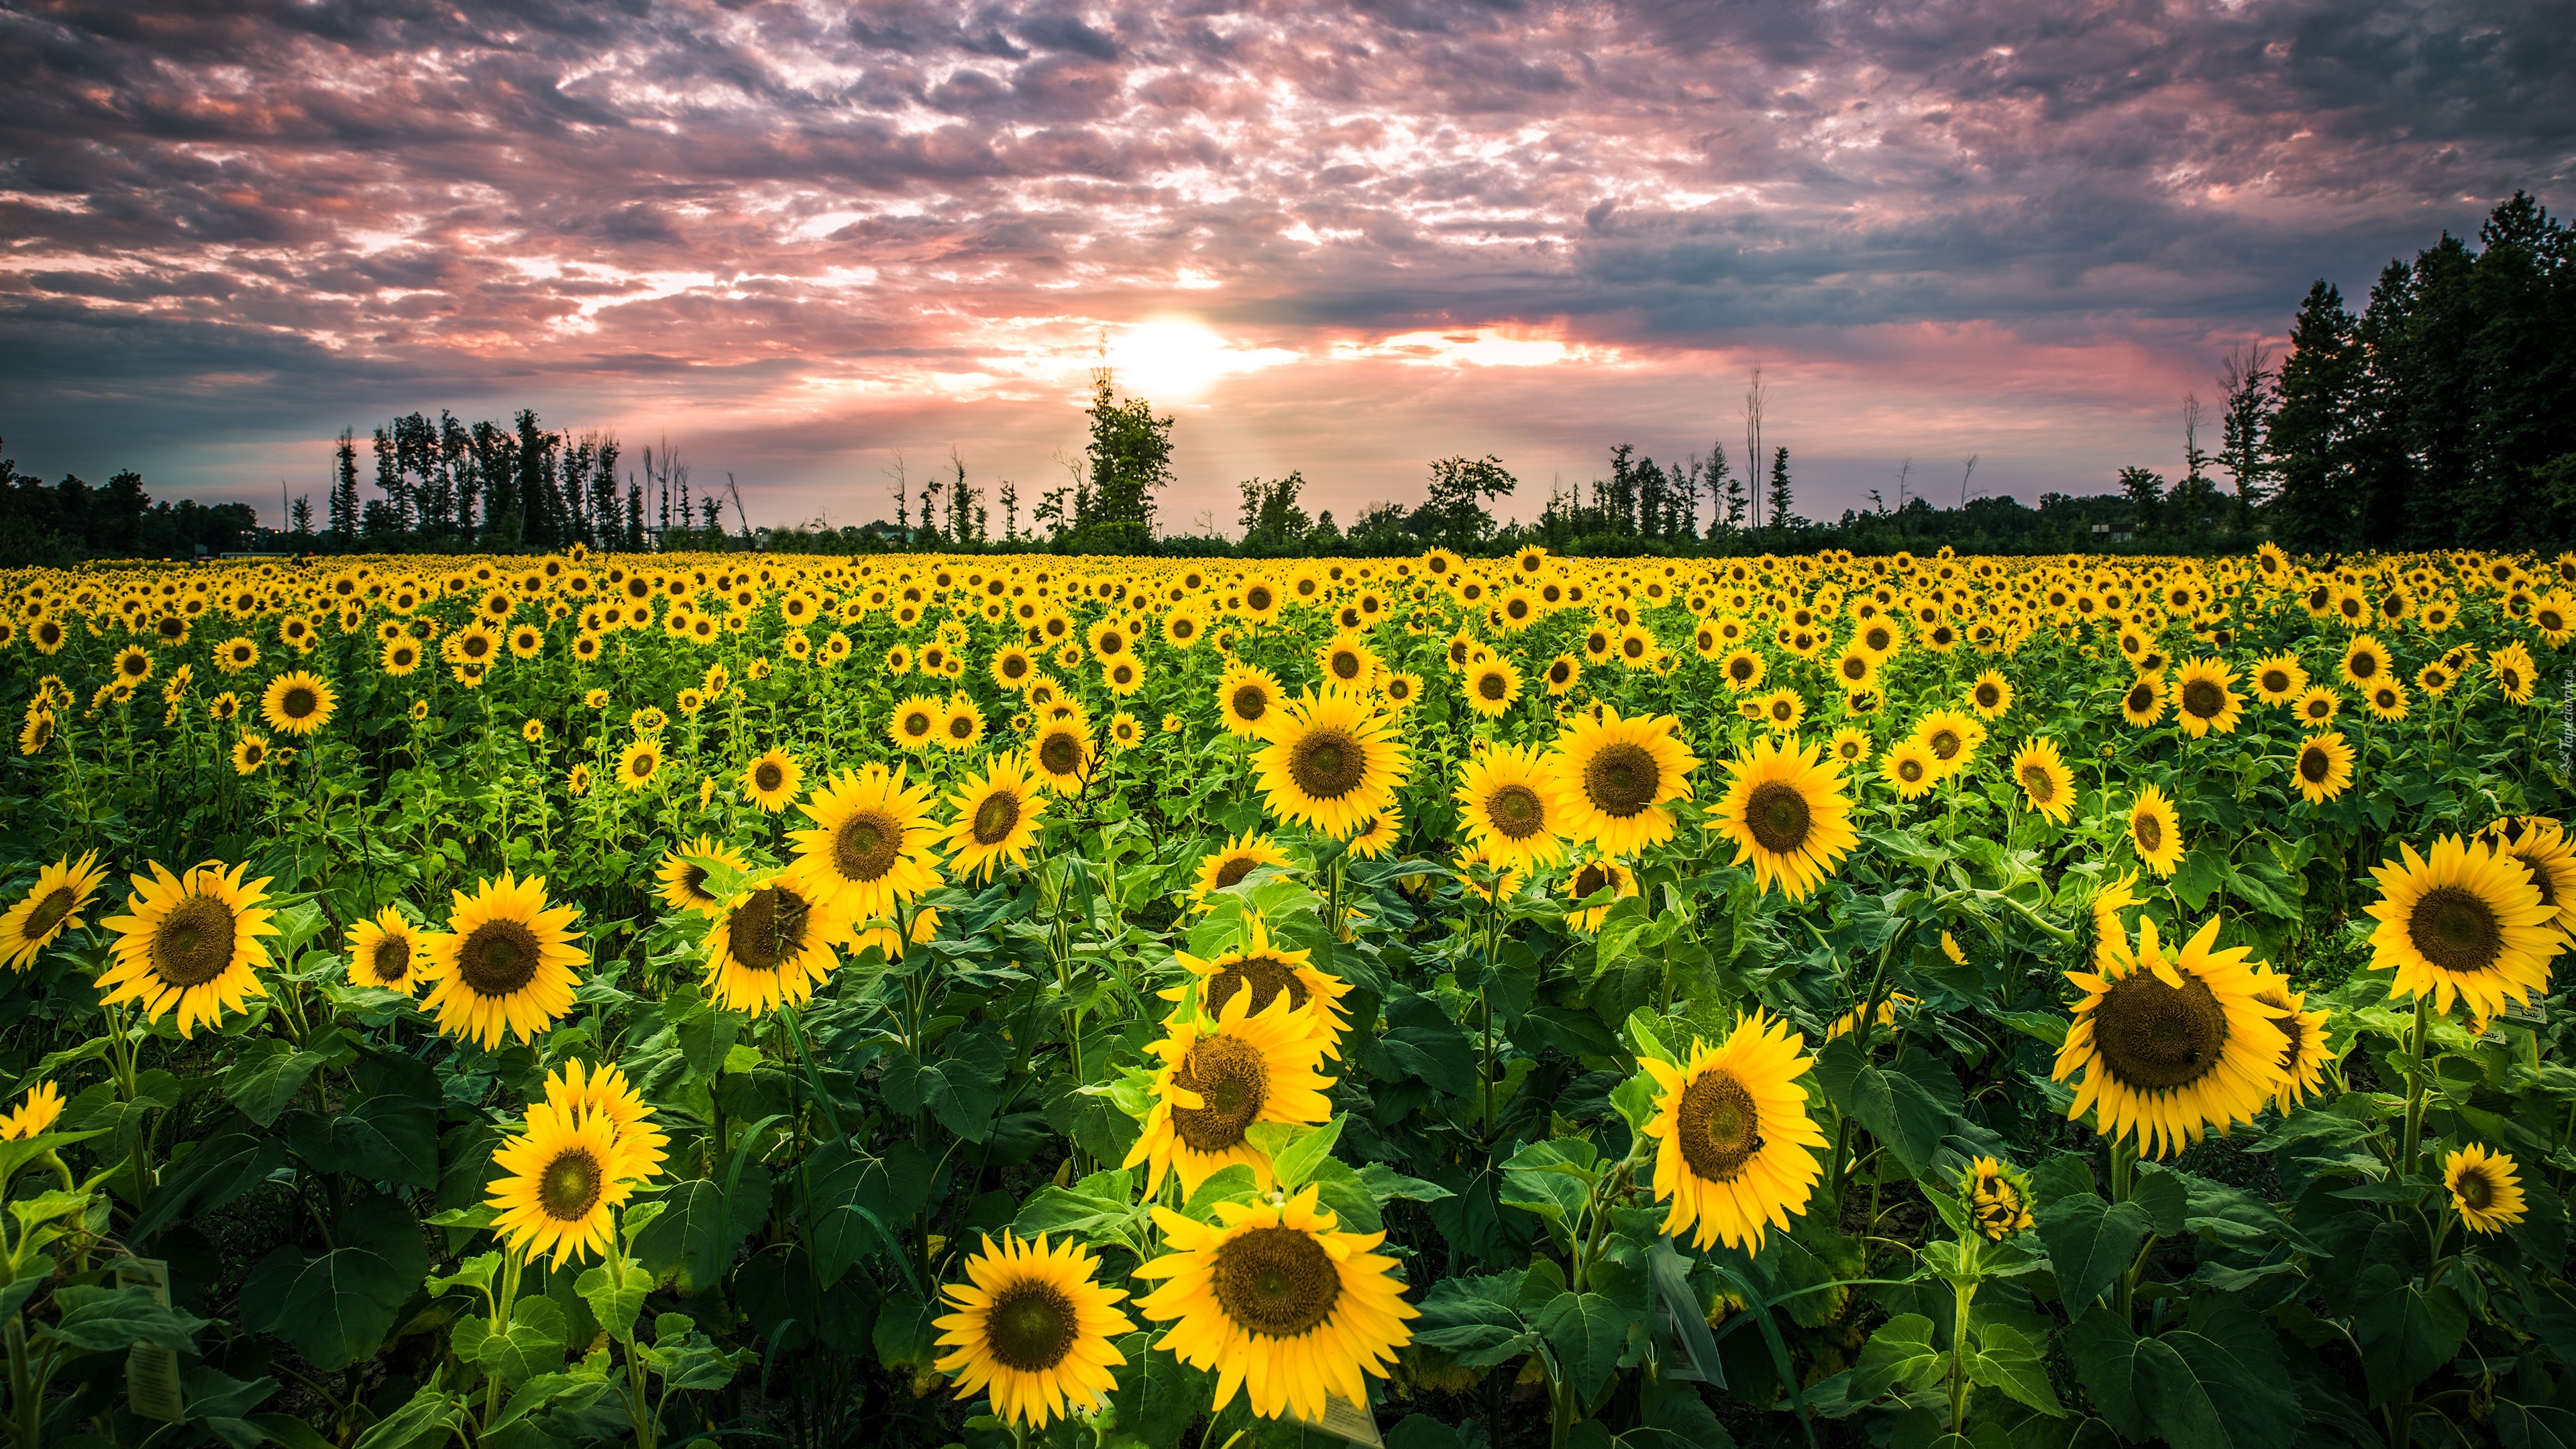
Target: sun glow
{"points": [[1177, 359]]}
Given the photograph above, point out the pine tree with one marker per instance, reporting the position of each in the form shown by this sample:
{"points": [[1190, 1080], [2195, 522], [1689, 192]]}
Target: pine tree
{"points": [[2310, 437], [1781, 496], [344, 491]]}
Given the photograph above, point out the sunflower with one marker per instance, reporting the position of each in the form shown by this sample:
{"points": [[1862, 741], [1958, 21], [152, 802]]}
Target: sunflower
{"points": [[996, 818], [1909, 767], [773, 780], [2484, 1189], [961, 724], [297, 703], [189, 944], [2170, 1045], [1590, 878], [1126, 732], [1276, 1301], [1952, 737], [1331, 761], [2279, 678], [1247, 700], [1012, 667], [2540, 844], [1267, 969], [2303, 1061], [1493, 686], [1220, 1074], [1614, 777], [1785, 811], [1735, 1150], [2365, 662], [2511, 669], [1240, 857], [2324, 766], [2144, 702], [639, 762], [915, 723], [1781, 709], [871, 848], [2205, 698], [386, 952], [1374, 837], [34, 1115], [2045, 782], [37, 733], [1856, 670], [683, 880], [2467, 922], [1743, 670], [1561, 674], [2155, 830], [1849, 746], [1509, 807], [2317, 706], [2386, 699], [1062, 754], [504, 965], [132, 665], [1034, 1326], [1998, 1198], [50, 907], [770, 944], [565, 1175]]}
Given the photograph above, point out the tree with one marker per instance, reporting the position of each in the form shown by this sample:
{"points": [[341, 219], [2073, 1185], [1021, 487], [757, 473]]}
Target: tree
{"points": [[1460, 489], [2310, 435], [1271, 517], [1781, 495], [1130, 458], [2145, 490], [302, 514], [344, 490], [2245, 424]]}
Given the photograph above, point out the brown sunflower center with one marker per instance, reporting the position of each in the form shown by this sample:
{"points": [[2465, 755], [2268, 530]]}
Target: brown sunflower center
{"points": [[1232, 1082], [2315, 765], [1276, 1281], [865, 846], [498, 959], [1517, 811], [768, 776], [1267, 976], [2142, 697], [1780, 818], [918, 724], [1234, 870], [768, 929], [1621, 779], [1258, 599], [1988, 696], [961, 727], [1740, 670], [1492, 686], [48, 914], [1249, 702], [2036, 783], [1589, 879], [1718, 1126], [1327, 763], [1855, 667], [569, 1187], [1014, 666], [2275, 682], [2203, 699], [1910, 770], [996, 818], [297, 703], [1060, 753], [2455, 929], [2150, 1035], [1875, 640], [1030, 1326], [2475, 1190], [391, 959], [194, 942], [2149, 830], [1346, 665], [1946, 743]]}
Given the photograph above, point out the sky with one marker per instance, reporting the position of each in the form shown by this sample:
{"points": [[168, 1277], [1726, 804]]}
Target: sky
{"points": [[800, 240]]}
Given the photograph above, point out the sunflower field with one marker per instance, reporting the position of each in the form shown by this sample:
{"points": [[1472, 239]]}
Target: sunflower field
{"points": [[1448, 1003]]}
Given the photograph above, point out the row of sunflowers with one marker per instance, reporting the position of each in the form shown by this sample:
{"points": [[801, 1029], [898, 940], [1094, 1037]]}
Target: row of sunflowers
{"points": [[1429, 1001]]}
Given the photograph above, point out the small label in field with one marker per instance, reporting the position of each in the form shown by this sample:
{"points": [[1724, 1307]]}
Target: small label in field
{"points": [[151, 1371]]}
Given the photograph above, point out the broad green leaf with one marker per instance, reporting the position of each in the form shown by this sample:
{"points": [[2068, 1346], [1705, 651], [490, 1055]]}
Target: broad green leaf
{"points": [[227, 1164], [1293, 1161], [99, 1319], [615, 1291], [1589, 1332], [1909, 1109], [265, 1077], [694, 1236], [1897, 1358], [1475, 1319], [1385, 1184], [1231, 1183], [338, 1307], [380, 1139], [1553, 1178], [2008, 1361], [2090, 1244], [532, 1344], [2405, 1332], [960, 1087]]}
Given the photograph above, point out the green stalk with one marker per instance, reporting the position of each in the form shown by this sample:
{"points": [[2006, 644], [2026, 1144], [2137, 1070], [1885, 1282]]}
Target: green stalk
{"points": [[2124, 1168], [2415, 1085]]}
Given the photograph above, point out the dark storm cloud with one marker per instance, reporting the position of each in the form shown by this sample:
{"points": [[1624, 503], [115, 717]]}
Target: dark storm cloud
{"points": [[269, 219]]}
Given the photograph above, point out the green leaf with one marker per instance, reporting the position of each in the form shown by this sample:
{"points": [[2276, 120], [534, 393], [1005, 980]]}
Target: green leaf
{"points": [[337, 1308], [431, 1419], [380, 1139], [1635, 1098], [694, 1236], [266, 1076], [2405, 1332], [1339, 1188], [2043, 1026], [1295, 1150], [1909, 1110], [1645, 1040], [2163, 1196], [2090, 1243], [214, 1172], [1553, 1178], [532, 1344], [1475, 1319], [615, 1291], [860, 1202], [99, 1319], [2534, 1426], [2009, 1361], [1589, 1333], [1385, 1183], [2219, 1383], [1897, 1358], [961, 1087], [1231, 1183]]}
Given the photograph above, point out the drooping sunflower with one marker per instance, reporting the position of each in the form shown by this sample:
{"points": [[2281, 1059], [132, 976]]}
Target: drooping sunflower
{"points": [[2155, 830], [297, 703], [189, 944], [2465, 923], [2205, 698], [2144, 703], [2484, 1189], [1267, 969], [682, 881], [2324, 766], [2541, 845], [1589, 879], [1614, 777], [871, 848], [2045, 782], [1240, 857], [1786, 812], [915, 723], [563, 1178], [2170, 1044], [773, 780], [50, 907], [34, 1115], [2279, 678], [2303, 1061], [2512, 671], [996, 817], [1219, 1075], [1493, 686], [771, 944], [386, 952], [1735, 1150], [1278, 1303], [1909, 766], [1330, 762], [1034, 1326], [1998, 1198], [1508, 805], [1247, 700], [505, 964]]}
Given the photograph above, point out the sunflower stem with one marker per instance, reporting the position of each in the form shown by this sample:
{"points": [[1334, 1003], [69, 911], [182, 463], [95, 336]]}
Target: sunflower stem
{"points": [[2124, 1171], [2415, 1084]]}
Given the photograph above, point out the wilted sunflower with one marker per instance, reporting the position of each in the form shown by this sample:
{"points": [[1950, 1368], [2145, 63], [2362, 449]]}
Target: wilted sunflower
{"points": [[1247, 699], [297, 703], [1330, 761], [2485, 1191], [504, 965], [2045, 782], [1614, 777], [996, 818], [2205, 698], [189, 944], [915, 723], [1267, 969], [1998, 1198], [50, 907], [1274, 1300], [2155, 830], [1735, 1149], [683, 881], [2170, 1046], [638, 763], [1786, 813], [387, 952], [1508, 805], [773, 780], [34, 1115], [1221, 1073], [2542, 846], [770, 944], [1062, 754], [2303, 1060], [1909, 767], [872, 848], [1240, 857], [564, 1177], [2324, 766], [2144, 703], [1035, 1326], [2465, 923]]}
